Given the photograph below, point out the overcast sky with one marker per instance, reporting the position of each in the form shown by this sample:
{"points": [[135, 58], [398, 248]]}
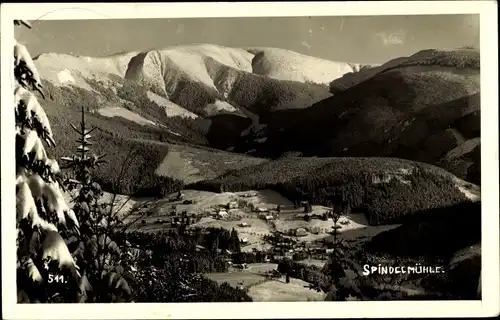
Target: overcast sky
{"points": [[363, 39]]}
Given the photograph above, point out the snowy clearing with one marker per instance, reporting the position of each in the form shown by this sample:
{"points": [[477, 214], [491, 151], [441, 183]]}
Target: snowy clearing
{"points": [[219, 106], [171, 109], [124, 113], [280, 291]]}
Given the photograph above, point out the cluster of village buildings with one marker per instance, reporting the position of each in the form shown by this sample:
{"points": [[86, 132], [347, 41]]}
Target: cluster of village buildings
{"points": [[283, 247]]}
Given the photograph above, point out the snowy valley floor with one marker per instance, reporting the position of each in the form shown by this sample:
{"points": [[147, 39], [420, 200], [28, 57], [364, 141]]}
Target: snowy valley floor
{"points": [[153, 215]]}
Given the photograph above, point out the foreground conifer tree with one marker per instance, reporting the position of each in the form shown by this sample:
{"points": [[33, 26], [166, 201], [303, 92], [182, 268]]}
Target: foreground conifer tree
{"points": [[46, 269], [58, 259]]}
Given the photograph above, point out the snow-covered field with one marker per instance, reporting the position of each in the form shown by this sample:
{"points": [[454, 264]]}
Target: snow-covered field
{"points": [[280, 291], [219, 106], [236, 278], [171, 109], [463, 148], [191, 164], [470, 190], [271, 290]]}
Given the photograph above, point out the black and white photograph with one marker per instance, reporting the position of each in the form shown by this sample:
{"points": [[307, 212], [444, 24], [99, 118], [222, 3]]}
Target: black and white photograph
{"points": [[300, 158]]}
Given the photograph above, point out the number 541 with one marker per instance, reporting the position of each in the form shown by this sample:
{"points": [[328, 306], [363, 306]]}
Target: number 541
{"points": [[56, 278]]}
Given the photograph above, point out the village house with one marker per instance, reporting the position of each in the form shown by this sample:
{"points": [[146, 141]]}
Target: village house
{"points": [[222, 214], [240, 265], [315, 230], [277, 258], [232, 205], [248, 195], [268, 217], [301, 232], [262, 209]]}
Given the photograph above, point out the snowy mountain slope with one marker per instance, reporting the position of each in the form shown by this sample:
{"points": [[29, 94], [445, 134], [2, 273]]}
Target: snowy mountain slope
{"points": [[161, 69], [195, 77], [56, 67], [188, 62], [284, 64], [102, 78]]}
